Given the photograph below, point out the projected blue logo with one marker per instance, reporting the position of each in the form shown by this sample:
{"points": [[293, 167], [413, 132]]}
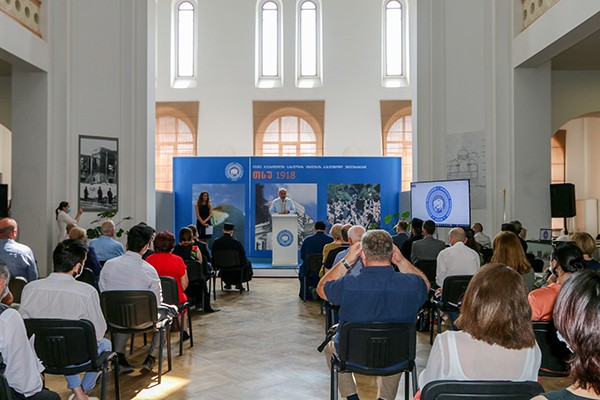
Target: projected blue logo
{"points": [[234, 171], [285, 238], [438, 203]]}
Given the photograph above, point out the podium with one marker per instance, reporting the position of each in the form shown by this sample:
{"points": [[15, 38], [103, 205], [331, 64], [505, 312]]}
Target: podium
{"points": [[285, 239]]}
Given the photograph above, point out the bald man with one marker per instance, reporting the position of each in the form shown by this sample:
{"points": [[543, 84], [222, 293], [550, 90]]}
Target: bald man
{"points": [[16, 256], [105, 246], [458, 259], [355, 234]]}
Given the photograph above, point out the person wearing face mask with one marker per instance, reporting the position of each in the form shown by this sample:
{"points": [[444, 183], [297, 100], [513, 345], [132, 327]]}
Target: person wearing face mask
{"points": [[63, 219], [567, 258], [61, 296]]}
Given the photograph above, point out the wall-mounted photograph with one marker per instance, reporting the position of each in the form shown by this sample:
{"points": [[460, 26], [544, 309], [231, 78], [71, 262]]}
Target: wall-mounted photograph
{"points": [[98, 173]]}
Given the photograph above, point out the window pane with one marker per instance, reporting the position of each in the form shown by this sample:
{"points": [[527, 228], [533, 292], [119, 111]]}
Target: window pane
{"points": [[308, 39], [393, 39], [271, 137], [185, 40], [269, 40], [308, 149], [288, 150]]}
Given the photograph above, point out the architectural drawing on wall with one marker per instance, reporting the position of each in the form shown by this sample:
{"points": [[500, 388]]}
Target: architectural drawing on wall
{"points": [[465, 159]]}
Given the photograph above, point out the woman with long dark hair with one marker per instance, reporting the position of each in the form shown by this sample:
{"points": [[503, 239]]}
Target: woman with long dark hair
{"points": [[63, 219], [203, 216]]}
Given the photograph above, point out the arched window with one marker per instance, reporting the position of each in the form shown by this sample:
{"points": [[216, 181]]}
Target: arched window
{"points": [[394, 43], [397, 141], [289, 136], [309, 45], [269, 44], [185, 40], [174, 137]]}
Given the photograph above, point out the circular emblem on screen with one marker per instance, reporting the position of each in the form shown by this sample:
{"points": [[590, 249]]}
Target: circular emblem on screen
{"points": [[285, 238], [546, 235], [438, 203], [234, 171]]}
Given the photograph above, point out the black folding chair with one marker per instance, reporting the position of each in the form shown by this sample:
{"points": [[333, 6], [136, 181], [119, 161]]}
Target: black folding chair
{"points": [[313, 263], [87, 276], [16, 285], [429, 268], [136, 311], [196, 276], [452, 291], [375, 349], [485, 390], [69, 347], [554, 352], [171, 296], [228, 260]]}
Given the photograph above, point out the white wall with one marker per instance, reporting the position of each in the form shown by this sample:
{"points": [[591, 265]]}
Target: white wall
{"points": [[574, 93]]}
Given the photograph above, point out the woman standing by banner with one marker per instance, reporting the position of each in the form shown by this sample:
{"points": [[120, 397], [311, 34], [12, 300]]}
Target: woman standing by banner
{"points": [[203, 216]]}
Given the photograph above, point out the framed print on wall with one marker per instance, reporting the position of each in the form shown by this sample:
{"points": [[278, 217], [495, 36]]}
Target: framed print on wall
{"points": [[98, 173]]}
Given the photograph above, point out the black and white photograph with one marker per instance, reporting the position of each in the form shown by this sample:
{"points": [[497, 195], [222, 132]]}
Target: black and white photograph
{"points": [[98, 173]]}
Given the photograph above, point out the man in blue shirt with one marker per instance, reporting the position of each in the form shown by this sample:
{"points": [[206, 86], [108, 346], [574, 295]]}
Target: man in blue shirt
{"points": [[105, 246], [16, 256], [377, 294]]}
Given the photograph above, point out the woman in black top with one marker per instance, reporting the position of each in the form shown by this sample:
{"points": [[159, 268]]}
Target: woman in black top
{"points": [[203, 215]]}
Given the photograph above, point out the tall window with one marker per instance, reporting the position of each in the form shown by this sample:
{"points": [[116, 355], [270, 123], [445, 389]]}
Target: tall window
{"points": [[269, 44], [394, 44], [398, 142], [309, 45], [174, 137], [185, 40]]}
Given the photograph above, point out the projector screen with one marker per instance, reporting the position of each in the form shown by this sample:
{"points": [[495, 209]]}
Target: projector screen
{"points": [[447, 203]]}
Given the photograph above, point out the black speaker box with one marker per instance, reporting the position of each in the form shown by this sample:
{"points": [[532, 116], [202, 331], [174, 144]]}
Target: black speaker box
{"points": [[562, 200], [3, 200]]}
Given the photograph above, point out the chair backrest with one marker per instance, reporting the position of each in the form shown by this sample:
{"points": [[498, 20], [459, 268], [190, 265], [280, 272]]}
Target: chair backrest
{"points": [[5, 392], [169, 290], [16, 285], [328, 263], [226, 259], [428, 267], [87, 276], [313, 263], [487, 390], [454, 288], [537, 264], [129, 308], [554, 352], [376, 348], [60, 343], [194, 270]]}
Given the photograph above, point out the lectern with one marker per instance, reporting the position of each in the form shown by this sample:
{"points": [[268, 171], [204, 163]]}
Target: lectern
{"points": [[285, 240]]}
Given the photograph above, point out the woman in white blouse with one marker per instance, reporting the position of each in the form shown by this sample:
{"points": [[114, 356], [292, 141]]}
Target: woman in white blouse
{"points": [[497, 340], [63, 219]]}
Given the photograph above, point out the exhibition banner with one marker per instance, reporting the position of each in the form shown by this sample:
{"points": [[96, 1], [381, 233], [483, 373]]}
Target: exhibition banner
{"points": [[355, 190]]}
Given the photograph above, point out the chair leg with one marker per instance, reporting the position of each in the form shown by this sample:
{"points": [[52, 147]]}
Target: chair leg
{"points": [[104, 373], [304, 291], [415, 383], [189, 315], [160, 353], [214, 286], [168, 330], [131, 344], [439, 322], [181, 321], [115, 366], [406, 384], [334, 380]]}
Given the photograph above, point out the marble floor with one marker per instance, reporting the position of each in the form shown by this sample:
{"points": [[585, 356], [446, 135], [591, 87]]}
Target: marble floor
{"points": [[261, 345]]}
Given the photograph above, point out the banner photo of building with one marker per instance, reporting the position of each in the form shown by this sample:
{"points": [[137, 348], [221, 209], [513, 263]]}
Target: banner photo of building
{"points": [[355, 190]]}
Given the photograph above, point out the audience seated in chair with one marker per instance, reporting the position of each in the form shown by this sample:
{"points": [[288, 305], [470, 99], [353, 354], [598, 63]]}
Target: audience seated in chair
{"points": [[577, 318], [61, 296], [21, 366], [406, 291], [566, 259], [168, 264], [497, 341], [508, 251], [458, 259], [229, 242], [17, 257], [587, 244], [429, 247], [91, 260], [312, 244], [130, 272], [105, 246], [355, 234], [336, 233]]}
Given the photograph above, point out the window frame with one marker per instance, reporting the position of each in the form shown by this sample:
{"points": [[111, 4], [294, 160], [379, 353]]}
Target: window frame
{"points": [[397, 116], [309, 81], [394, 80], [264, 81], [181, 82]]}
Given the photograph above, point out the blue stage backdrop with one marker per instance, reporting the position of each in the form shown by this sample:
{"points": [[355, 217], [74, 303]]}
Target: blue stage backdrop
{"points": [[356, 190]]}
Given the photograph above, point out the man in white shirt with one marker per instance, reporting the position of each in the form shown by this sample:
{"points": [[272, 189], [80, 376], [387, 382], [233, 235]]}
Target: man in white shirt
{"points": [[481, 238], [18, 362], [61, 296], [458, 259], [106, 247], [282, 205], [131, 272]]}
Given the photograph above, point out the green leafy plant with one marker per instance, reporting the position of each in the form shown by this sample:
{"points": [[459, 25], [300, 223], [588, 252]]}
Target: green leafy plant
{"points": [[94, 231]]}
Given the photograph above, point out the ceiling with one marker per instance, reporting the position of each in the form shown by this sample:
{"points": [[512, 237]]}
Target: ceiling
{"points": [[584, 55]]}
